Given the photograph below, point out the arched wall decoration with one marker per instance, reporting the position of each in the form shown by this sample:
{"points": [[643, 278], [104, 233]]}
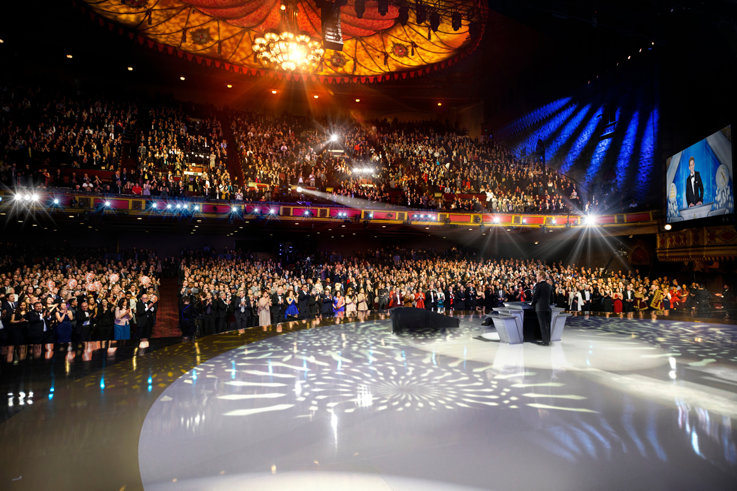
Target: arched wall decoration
{"points": [[220, 33]]}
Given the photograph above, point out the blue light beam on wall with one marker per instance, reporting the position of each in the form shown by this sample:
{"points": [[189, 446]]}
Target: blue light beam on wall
{"points": [[566, 133], [544, 132], [627, 149], [533, 117], [581, 141], [644, 177]]}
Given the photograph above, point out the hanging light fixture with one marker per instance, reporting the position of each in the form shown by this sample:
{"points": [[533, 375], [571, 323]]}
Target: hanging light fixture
{"points": [[287, 49]]}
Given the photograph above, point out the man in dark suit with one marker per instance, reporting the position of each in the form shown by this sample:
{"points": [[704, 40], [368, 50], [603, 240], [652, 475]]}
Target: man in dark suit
{"points": [[694, 187], [542, 297], [431, 299], [629, 299], [145, 317], [303, 302], [278, 306], [221, 312], [241, 310], [38, 324], [383, 297]]}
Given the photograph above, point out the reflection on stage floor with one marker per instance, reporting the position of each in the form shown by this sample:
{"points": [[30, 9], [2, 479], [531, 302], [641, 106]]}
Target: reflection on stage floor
{"points": [[619, 403]]}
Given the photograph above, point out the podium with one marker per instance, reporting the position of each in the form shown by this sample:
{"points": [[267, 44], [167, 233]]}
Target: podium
{"points": [[420, 320]]}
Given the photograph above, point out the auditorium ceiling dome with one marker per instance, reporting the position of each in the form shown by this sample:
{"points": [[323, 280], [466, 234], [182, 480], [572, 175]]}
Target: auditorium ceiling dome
{"points": [[342, 41]]}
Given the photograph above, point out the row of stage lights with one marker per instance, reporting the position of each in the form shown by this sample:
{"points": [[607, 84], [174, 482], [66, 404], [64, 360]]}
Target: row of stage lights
{"points": [[589, 220]]}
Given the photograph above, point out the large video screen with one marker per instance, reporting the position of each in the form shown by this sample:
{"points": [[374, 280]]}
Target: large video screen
{"points": [[699, 179]]}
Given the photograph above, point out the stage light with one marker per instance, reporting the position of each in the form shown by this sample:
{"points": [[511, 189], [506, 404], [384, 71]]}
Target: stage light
{"points": [[168, 206], [257, 210], [403, 15], [272, 211], [182, 78], [334, 138], [371, 215], [186, 207], [668, 226], [360, 7], [34, 197], [455, 20], [107, 204], [590, 220], [299, 189], [420, 13], [56, 201], [196, 207], [179, 207], [306, 213], [383, 7], [154, 206], [434, 20], [282, 7], [496, 220], [233, 209]]}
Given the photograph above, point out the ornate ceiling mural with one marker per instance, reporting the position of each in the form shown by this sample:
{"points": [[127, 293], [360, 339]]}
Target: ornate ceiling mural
{"points": [[375, 47]]}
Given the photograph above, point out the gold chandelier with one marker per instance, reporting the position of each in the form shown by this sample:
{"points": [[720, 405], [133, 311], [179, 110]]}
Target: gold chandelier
{"points": [[287, 50]]}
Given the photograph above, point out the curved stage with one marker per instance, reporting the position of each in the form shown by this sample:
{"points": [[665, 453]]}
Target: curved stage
{"points": [[617, 404]]}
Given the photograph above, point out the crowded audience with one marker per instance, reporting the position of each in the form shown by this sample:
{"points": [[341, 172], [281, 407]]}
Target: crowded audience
{"points": [[259, 291], [70, 297]]}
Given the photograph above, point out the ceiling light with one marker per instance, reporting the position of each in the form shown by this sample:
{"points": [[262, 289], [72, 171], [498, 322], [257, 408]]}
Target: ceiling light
{"points": [[440, 104], [668, 226], [69, 57], [315, 96], [287, 50], [130, 68], [358, 100], [230, 86], [273, 91], [182, 78]]}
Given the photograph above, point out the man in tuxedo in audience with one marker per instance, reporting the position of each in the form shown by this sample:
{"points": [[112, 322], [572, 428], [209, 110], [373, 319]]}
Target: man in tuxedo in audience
{"points": [[145, 316], [83, 316], [278, 306], [207, 315], [587, 299], [242, 310], [431, 299], [383, 297], [303, 302], [221, 312], [39, 324], [542, 298], [629, 299], [471, 297], [326, 301]]}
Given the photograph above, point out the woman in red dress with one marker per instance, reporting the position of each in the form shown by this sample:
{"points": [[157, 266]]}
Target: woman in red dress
{"points": [[420, 299], [617, 298]]}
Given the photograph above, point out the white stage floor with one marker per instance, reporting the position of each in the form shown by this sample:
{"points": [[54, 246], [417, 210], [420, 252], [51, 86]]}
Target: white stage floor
{"points": [[617, 404]]}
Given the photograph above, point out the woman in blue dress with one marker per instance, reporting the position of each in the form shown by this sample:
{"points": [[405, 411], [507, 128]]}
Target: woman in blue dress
{"points": [[292, 312], [64, 318], [339, 304]]}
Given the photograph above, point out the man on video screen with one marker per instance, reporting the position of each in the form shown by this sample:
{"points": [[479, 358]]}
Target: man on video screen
{"points": [[694, 188]]}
